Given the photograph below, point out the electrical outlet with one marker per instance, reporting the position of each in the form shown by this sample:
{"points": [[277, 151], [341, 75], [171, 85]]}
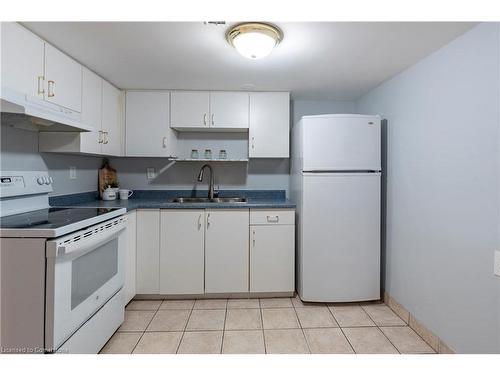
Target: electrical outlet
{"points": [[72, 173], [151, 173], [496, 270]]}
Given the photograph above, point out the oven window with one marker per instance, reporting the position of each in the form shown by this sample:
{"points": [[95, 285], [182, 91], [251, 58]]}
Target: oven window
{"points": [[92, 270]]}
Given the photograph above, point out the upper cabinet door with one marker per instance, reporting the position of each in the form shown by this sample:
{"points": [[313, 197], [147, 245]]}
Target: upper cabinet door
{"points": [[22, 60], [269, 131], [190, 109], [229, 110], [63, 79], [91, 111], [147, 124], [111, 124]]}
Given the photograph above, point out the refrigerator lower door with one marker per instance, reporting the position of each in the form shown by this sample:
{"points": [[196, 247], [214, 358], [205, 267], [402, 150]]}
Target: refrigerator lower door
{"points": [[339, 239]]}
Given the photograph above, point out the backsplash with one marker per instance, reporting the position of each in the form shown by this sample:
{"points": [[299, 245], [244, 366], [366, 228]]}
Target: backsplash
{"points": [[19, 151]]}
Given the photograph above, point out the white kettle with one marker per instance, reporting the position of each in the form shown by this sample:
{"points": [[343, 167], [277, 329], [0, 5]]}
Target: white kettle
{"points": [[109, 194]]}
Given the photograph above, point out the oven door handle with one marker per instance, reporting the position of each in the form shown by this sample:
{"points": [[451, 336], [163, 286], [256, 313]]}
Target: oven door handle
{"points": [[78, 248]]}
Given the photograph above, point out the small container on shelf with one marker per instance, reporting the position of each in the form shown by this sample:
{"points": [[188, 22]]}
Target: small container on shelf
{"points": [[194, 154], [222, 154], [208, 153]]}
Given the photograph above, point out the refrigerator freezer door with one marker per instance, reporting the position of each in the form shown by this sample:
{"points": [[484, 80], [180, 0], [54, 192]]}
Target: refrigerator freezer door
{"points": [[341, 143], [339, 243]]}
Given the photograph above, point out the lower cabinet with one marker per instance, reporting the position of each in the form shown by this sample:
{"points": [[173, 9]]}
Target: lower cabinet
{"points": [[182, 251], [197, 251], [272, 250], [130, 257], [148, 252], [272, 260], [226, 251]]}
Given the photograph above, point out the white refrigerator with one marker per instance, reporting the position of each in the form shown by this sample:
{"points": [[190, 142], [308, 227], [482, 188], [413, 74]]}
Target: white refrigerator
{"points": [[335, 182]]}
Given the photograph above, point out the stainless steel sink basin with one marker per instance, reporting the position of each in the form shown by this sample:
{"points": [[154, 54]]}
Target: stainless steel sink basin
{"points": [[207, 200]]}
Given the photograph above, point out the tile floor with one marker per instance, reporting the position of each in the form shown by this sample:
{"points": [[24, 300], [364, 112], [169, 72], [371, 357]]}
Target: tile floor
{"points": [[258, 326]]}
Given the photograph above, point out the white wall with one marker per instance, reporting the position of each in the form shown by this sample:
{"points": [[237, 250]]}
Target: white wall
{"points": [[301, 108], [266, 174], [19, 152], [443, 189]]}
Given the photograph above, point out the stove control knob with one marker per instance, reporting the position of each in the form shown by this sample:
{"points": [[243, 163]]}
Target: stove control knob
{"points": [[46, 180], [40, 180], [51, 181]]}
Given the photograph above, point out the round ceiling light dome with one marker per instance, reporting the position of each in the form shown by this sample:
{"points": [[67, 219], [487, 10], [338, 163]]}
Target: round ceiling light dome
{"points": [[254, 40]]}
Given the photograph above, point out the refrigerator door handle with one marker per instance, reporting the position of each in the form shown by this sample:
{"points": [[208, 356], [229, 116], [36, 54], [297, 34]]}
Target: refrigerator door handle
{"points": [[343, 171]]}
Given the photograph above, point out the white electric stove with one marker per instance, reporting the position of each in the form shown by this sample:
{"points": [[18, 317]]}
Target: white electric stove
{"points": [[61, 270]]}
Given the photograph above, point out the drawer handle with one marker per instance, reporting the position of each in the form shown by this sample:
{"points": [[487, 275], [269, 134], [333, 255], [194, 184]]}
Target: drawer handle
{"points": [[273, 219]]}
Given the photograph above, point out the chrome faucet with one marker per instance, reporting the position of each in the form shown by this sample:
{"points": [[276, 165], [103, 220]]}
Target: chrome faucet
{"points": [[211, 185]]}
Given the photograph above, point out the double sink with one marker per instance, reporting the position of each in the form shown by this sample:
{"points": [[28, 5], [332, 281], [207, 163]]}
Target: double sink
{"points": [[210, 200]]}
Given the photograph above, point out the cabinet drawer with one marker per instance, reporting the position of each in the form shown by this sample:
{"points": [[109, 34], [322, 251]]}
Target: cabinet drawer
{"points": [[272, 217]]}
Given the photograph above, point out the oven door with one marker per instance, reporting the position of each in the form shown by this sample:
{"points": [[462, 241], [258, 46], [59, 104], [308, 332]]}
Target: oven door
{"points": [[84, 270]]}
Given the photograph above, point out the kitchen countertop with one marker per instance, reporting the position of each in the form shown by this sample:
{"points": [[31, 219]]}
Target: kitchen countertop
{"points": [[163, 199]]}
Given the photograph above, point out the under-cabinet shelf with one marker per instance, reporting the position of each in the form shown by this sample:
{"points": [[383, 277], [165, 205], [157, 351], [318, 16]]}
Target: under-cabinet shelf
{"points": [[209, 160]]}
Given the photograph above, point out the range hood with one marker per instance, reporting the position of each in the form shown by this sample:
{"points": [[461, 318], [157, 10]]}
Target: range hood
{"points": [[30, 113]]}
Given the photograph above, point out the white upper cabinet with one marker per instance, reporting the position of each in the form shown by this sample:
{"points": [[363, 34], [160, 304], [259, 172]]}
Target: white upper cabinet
{"points": [[229, 110], [190, 109], [22, 60], [91, 111], [147, 124], [103, 109], [63, 79], [209, 110], [112, 132], [269, 130]]}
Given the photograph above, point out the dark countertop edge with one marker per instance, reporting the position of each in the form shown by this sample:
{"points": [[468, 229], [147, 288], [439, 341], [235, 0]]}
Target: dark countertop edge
{"points": [[144, 204], [161, 199]]}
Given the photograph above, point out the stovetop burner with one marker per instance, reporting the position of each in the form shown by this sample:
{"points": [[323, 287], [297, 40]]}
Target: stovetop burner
{"points": [[51, 218]]}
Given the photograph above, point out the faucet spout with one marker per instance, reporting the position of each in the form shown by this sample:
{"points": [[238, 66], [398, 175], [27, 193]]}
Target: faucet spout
{"points": [[211, 184]]}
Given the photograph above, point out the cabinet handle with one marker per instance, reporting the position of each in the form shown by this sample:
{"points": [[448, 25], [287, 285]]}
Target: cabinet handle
{"points": [[204, 119], [105, 138], [41, 90], [208, 220], [164, 142], [213, 121], [100, 136], [51, 93], [253, 142], [253, 238], [199, 222], [273, 219]]}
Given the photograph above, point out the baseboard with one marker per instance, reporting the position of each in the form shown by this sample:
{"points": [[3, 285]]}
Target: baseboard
{"points": [[215, 295], [427, 335]]}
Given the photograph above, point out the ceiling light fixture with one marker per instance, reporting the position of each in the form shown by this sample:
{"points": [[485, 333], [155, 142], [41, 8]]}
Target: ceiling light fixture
{"points": [[254, 40]]}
